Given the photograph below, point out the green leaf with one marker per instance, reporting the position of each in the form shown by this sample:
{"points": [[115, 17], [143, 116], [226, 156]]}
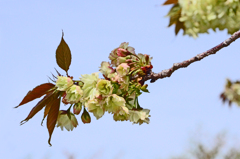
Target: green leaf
{"points": [[179, 25], [63, 55], [52, 118], [38, 107], [37, 92]]}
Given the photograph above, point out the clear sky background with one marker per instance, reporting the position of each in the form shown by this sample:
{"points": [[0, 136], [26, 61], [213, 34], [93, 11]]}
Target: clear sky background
{"points": [[183, 107]]}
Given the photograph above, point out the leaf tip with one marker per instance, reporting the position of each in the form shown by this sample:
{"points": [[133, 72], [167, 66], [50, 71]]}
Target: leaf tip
{"points": [[23, 122], [62, 33], [49, 142]]}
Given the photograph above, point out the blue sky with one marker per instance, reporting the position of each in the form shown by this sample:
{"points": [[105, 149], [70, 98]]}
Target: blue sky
{"points": [[184, 106]]}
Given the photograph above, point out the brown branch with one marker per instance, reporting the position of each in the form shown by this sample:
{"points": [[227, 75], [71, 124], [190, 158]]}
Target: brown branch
{"points": [[167, 73]]}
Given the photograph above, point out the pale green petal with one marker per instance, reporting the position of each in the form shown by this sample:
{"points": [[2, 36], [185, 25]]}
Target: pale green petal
{"points": [[63, 83], [63, 121], [94, 107], [123, 69], [105, 68], [104, 87], [74, 94], [89, 86], [139, 116], [114, 103], [90, 78]]}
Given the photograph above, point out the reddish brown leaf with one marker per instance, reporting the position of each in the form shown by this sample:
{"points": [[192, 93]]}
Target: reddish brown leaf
{"points": [[38, 107], [48, 106], [52, 118], [63, 55], [170, 2], [37, 92]]}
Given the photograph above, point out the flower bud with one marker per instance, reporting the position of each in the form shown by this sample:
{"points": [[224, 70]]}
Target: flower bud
{"points": [[85, 117], [129, 61], [144, 88], [146, 58], [122, 52], [77, 108], [64, 100]]}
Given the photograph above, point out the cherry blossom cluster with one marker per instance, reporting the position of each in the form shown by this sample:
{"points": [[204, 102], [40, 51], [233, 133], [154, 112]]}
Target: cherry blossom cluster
{"points": [[117, 93]]}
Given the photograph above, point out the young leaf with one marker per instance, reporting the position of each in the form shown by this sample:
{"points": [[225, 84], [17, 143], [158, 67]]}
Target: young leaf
{"points": [[52, 118], [179, 25], [170, 2], [63, 55], [48, 106], [37, 92], [38, 107]]}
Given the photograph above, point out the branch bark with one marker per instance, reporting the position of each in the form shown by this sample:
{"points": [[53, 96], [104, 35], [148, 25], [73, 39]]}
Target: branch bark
{"points": [[168, 72]]}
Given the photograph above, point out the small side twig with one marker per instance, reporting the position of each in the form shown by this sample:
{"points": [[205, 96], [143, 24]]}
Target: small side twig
{"points": [[168, 72]]}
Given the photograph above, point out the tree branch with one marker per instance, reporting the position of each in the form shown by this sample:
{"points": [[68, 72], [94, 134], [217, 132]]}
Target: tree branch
{"points": [[168, 72]]}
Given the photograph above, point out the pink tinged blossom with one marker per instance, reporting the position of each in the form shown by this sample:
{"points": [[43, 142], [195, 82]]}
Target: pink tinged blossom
{"points": [[77, 108], [113, 57], [64, 100], [124, 82], [131, 49], [63, 83], [124, 45], [123, 69], [115, 78], [106, 69], [74, 94], [122, 52]]}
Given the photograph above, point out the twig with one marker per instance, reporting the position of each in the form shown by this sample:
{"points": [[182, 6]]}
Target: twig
{"points": [[168, 72]]}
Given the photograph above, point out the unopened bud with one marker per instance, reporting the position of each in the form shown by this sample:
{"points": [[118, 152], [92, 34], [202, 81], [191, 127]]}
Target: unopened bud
{"points": [[122, 52], [85, 117], [77, 108], [128, 60], [146, 58], [144, 88], [64, 100]]}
